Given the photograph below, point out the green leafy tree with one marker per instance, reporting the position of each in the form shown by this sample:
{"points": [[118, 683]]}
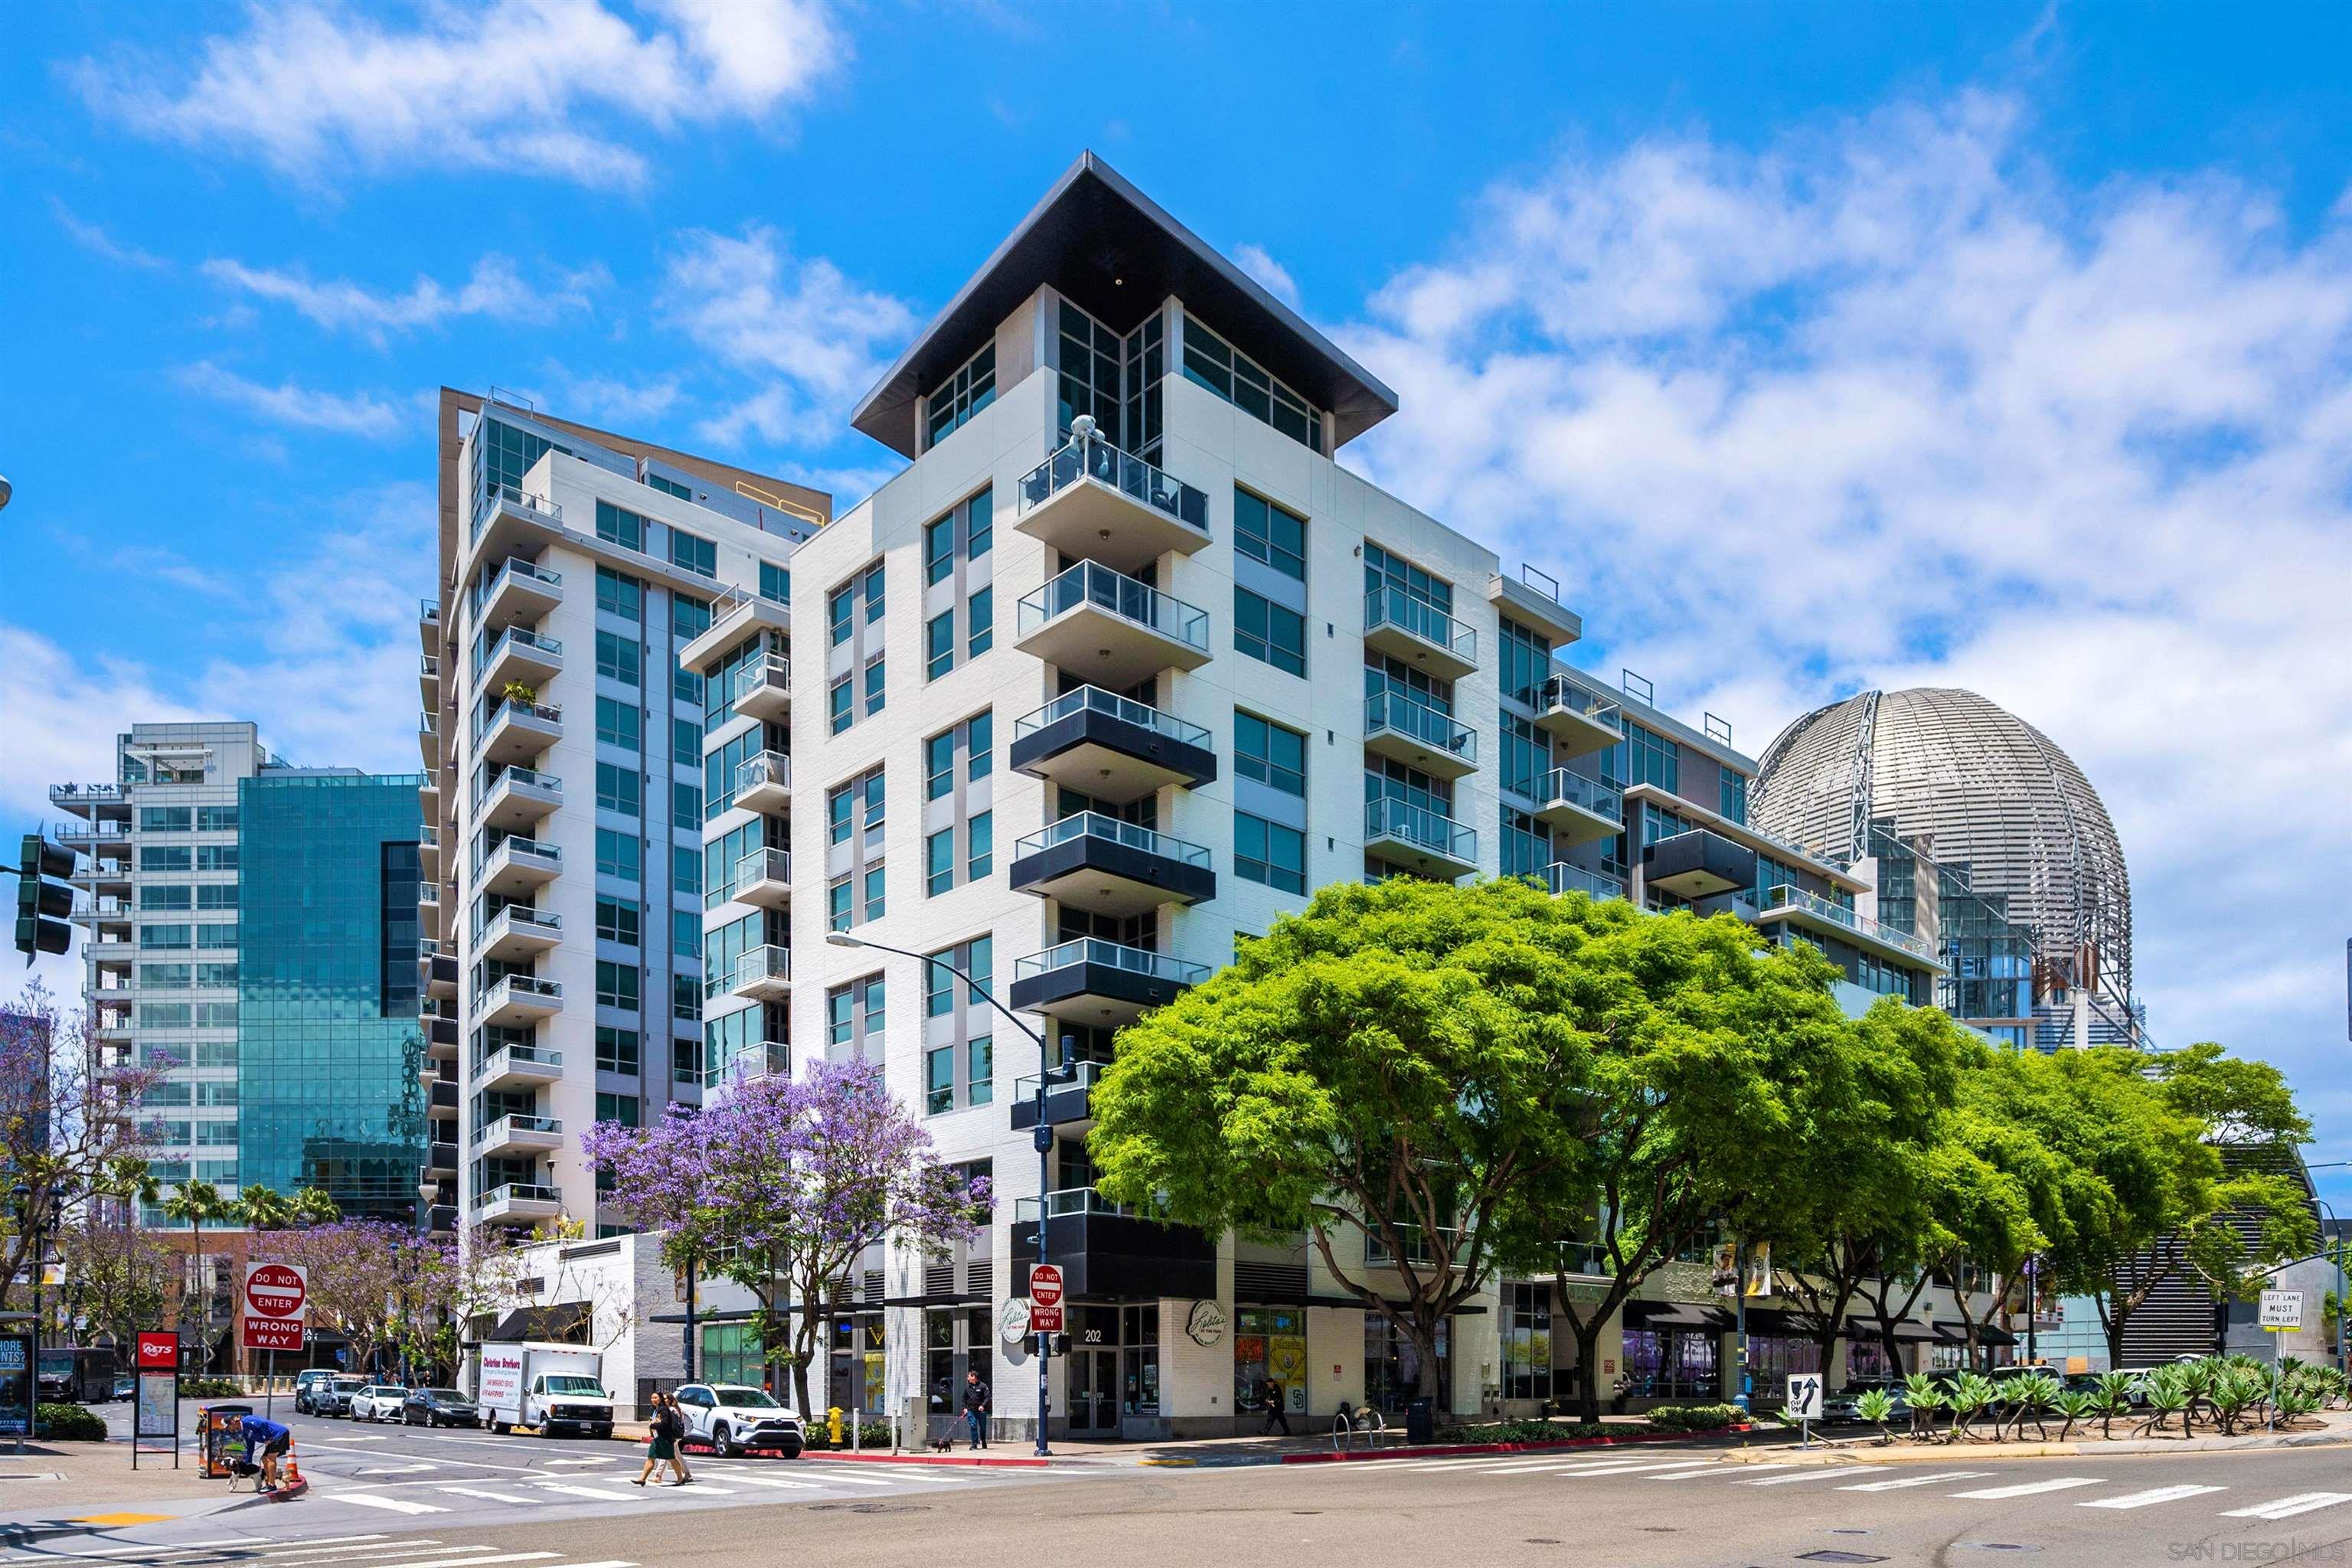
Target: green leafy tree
{"points": [[1401, 1066], [196, 1204]]}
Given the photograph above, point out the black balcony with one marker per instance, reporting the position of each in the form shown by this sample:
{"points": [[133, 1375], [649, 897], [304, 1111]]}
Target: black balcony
{"points": [[1091, 981], [442, 1219], [442, 1032], [1069, 1099], [1100, 864], [1697, 865], [1111, 747], [444, 1095], [1107, 1254], [441, 1158]]}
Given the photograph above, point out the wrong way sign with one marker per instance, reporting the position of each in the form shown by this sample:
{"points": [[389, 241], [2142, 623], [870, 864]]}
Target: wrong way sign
{"points": [[277, 1306], [1045, 1299]]}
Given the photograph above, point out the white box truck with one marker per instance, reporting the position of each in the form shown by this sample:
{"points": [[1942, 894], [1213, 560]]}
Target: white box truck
{"points": [[554, 1388]]}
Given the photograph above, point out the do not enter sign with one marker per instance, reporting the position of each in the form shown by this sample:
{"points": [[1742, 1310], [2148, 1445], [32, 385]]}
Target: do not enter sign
{"points": [[1045, 1299], [277, 1302]]}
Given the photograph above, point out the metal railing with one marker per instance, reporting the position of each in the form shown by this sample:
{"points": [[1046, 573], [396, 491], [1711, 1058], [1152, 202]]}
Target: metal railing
{"points": [[515, 708], [429, 666], [514, 495], [767, 768], [429, 611], [1392, 606], [1563, 877], [1416, 1240], [1083, 1075], [770, 671], [1559, 694], [1093, 699], [521, 778], [760, 963], [513, 848], [1068, 1202], [520, 918], [1588, 1259], [499, 1131], [1116, 594], [1421, 827], [1095, 825], [769, 865], [516, 1192], [518, 637], [1785, 897], [1421, 723], [75, 827], [90, 792], [511, 987], [516, 567], [1575, 789], [1110, 955], [505, 1056], [1092, 457], [429, 723]]}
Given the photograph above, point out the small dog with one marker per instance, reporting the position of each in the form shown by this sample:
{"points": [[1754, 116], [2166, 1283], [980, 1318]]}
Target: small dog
{"points": [[946, 1443]]}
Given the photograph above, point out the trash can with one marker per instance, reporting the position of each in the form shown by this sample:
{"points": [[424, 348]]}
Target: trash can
{"points": [[220, 1439], [1421, 1422]]}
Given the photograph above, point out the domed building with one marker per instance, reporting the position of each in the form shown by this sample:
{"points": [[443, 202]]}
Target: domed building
{"points": [[2013, 828]]}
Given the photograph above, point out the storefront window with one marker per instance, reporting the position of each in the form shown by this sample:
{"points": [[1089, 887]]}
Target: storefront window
{"points": [[1393, 1375], [1527, 1342], [1140, 1327], [730, 1353], [1270, 1346], [1667, 1364], [1772, 1357], [1867, 1358], [858, 1381]]}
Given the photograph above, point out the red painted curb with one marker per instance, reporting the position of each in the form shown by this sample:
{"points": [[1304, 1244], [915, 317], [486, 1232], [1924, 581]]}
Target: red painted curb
{"points": [[1030, 1463], [1443, 1450]]}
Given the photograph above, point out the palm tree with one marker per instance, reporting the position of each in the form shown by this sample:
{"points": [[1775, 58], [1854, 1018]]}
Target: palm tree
{"points": [[192, 1203], [313, 1207], [259, 1207]]}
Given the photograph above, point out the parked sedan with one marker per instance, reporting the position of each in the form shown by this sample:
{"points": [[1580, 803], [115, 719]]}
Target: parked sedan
{"points": [[379, 1402], [1842, 1405], [734, 1419], [309, 1384], [440, 1407], [334, 1397]]}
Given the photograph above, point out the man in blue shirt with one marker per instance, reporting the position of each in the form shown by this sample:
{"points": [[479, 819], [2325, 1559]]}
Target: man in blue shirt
{"points": [[266, 1443]]}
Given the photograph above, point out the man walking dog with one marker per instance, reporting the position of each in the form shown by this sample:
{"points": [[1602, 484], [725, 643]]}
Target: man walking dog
{"points": [[975, 1408]]}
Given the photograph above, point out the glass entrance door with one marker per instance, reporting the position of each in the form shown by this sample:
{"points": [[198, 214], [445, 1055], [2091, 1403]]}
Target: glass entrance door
{"points": [[1094, 1392]]}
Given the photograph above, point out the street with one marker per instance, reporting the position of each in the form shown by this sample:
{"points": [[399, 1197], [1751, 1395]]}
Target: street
{"points": [[415, 1500]]}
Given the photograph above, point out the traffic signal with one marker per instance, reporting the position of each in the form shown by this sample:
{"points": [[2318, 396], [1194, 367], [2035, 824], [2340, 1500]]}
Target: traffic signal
{"points": [[1057, 1344], [43, 899]]}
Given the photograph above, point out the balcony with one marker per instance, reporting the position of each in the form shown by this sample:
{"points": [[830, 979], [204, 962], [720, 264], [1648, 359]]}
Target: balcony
{"points": [[441, 1158], [517, 731], [1415, 836], [519, 1067], [763, 689], [428, 740], [1578, 721], [1067, 1100], [1563, 877], [1106, 1250], [518, 1135], [1418, 735], [517, 867], [1093, 502], [429, 851], [519, 934], [752, 1059], [1586, 1260], [1111, 747], [516, 798], [1091, 981], [762, 975], [517, 1000], [1100, 864], [764, 784], [1794, 908], [522, 591], [1419, 633], [735, 615], [1415, 1245], [521, 657], [441, 1094], [1697, 865], [765, 878], [1578, 809], [510, 520], [441, 976], [1106, 627], [91, 800], [440, 1036], [428, 625], [90, 836], [518, 1203], [428, 682]]}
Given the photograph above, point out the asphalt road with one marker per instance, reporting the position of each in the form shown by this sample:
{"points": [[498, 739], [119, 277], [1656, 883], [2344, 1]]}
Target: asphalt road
{"points": [[1651, 1505]]}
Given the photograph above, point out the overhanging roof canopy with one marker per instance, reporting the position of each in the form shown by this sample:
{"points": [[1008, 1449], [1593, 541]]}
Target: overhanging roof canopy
{"points": [[1113, 252]]}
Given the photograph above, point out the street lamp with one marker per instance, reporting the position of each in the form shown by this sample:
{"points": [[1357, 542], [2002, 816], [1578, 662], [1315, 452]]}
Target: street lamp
{"points": [[1050, 1071]]}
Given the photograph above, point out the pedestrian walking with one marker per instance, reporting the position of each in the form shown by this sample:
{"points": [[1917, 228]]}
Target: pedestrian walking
{"points": [[676, 1414], [660, 1443], [975, 1408], [1270, 1395]]}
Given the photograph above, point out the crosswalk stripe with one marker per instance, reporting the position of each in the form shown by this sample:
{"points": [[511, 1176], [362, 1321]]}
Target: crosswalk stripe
{"points": [[479, 1561], [2287, 1506], [1783, 1481], [2153, 1494], [614, 1562], [1703, 1469], [1916, 1482], [2031, 1488], [341, 1555], [1624, 1467], [777, 1481], [832, 1480], [485, 1496], [702, 1485], [599, 1460], [392, 1504], [569, 1490]]}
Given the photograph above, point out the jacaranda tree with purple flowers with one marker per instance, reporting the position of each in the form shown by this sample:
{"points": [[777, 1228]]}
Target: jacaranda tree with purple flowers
{"points": [[783, 1186]]}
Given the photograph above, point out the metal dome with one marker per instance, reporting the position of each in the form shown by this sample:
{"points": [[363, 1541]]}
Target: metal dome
{"points": [[1974, 784]]}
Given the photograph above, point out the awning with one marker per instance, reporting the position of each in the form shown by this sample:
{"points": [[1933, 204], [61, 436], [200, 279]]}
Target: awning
{"points": [[1989, 1334], [564, 1322], [1682, 1316]]}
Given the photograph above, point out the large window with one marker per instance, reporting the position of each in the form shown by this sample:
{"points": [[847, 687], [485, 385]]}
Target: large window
{"points": [[620, 724], [1527, 756], [1267, 631], [620, 658], [620, 789], [619, 594], [971, 389], [618, 984], [1270, 853], [1525, 662], [1266, 752], [1733, 796], [959, 1066], [1527, 1340], [693, 553], [853, 1017], [1210, 362], [1527, 845], [1651, 759], [1397, 574], [619, 854], [1264, 532], [616, 526]]}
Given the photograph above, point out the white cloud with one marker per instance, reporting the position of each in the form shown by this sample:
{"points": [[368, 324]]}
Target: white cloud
{"points": [[95, 239], [495, 289], [322, 91], [360, 414], [1891, 403], [1271, 275], [817, 339]]}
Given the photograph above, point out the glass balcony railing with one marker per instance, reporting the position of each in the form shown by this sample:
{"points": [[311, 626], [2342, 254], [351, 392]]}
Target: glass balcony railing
{"points": [[1420, 723], [1094, 825], [1600, 799], [1111, 955], [501, 1062], [496, 496], [1788, 898], [1588, 1259], [772, 672], [527, 851], [1093, 699], [1068, 1202], [1415, 1242], [521, 778], [1563, 877], [519, 988], [516, 1192], [518, 570], [1094, 458], [520, 919], [1558, 694], [1082, 1075], [1390, 606], [763, 866], [499, 1130], [767, 768], [1421, 827], [515, 708], [518, 637], [1116, 592]]}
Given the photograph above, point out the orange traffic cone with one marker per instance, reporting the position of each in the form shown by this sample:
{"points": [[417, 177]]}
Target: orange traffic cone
{"points": [[290, 1483]]}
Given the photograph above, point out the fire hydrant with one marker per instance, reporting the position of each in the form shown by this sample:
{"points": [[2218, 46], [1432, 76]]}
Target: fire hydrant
{"points": [[832, 1424]]}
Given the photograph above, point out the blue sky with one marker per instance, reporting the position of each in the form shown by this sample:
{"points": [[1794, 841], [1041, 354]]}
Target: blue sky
{"points": [[1811, 347]]}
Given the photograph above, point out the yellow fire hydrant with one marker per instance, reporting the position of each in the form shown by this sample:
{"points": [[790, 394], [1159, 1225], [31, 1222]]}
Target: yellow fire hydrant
{"points": [[832, 1424]]}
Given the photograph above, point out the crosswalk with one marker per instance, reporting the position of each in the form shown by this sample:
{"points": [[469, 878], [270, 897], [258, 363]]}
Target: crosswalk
{"points": [[1975, 1486], [713, 1479], [321, 1552]]}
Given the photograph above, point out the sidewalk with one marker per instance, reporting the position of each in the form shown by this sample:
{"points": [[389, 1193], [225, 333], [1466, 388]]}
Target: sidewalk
{"points": [[1852, 1448], [55, 1487]]}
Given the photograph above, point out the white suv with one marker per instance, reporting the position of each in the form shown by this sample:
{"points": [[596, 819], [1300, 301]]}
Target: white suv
{"points": [[379, 1402], [734, 1419]]}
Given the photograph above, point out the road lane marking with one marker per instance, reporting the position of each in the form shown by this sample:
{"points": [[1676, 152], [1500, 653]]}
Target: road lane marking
{"points": [[2033, 1488], [2287, 1506], [340, 1557], [777, 1481], [1784, 1480], [403, 1469], [569, 1490], [477, 1491], [1623, 1467], [599, 1460], [1703, 1469], [396, 1504], [859, 1480], [2153, 1494], [477, 1561], [1916, 1482]]}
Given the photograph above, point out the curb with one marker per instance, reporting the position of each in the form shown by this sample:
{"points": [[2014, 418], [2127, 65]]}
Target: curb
{"points": [[1448, 1450], [1944, 1453], [856, 1458]]}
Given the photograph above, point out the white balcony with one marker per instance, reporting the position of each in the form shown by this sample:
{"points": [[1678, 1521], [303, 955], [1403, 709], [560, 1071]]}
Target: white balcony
{"points": [[763, 689], [764, 784], [518, 1203], [428, 625], [762, 975], [1419, 735], [519, 1067], [1578, 809], [517, 731], [520, 592], [520, 657], [1106, 627], [1814, 915], [1420, 840], [1419, 633], [1563, 878], [518, 1135], [765, 878], [517, 799], [735, 615], [517, 1000], [517, 867], [429, 851], [510, 519], [519, 934], [1092, 501], [429, 739], [1578, 721], [428, 682]]}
